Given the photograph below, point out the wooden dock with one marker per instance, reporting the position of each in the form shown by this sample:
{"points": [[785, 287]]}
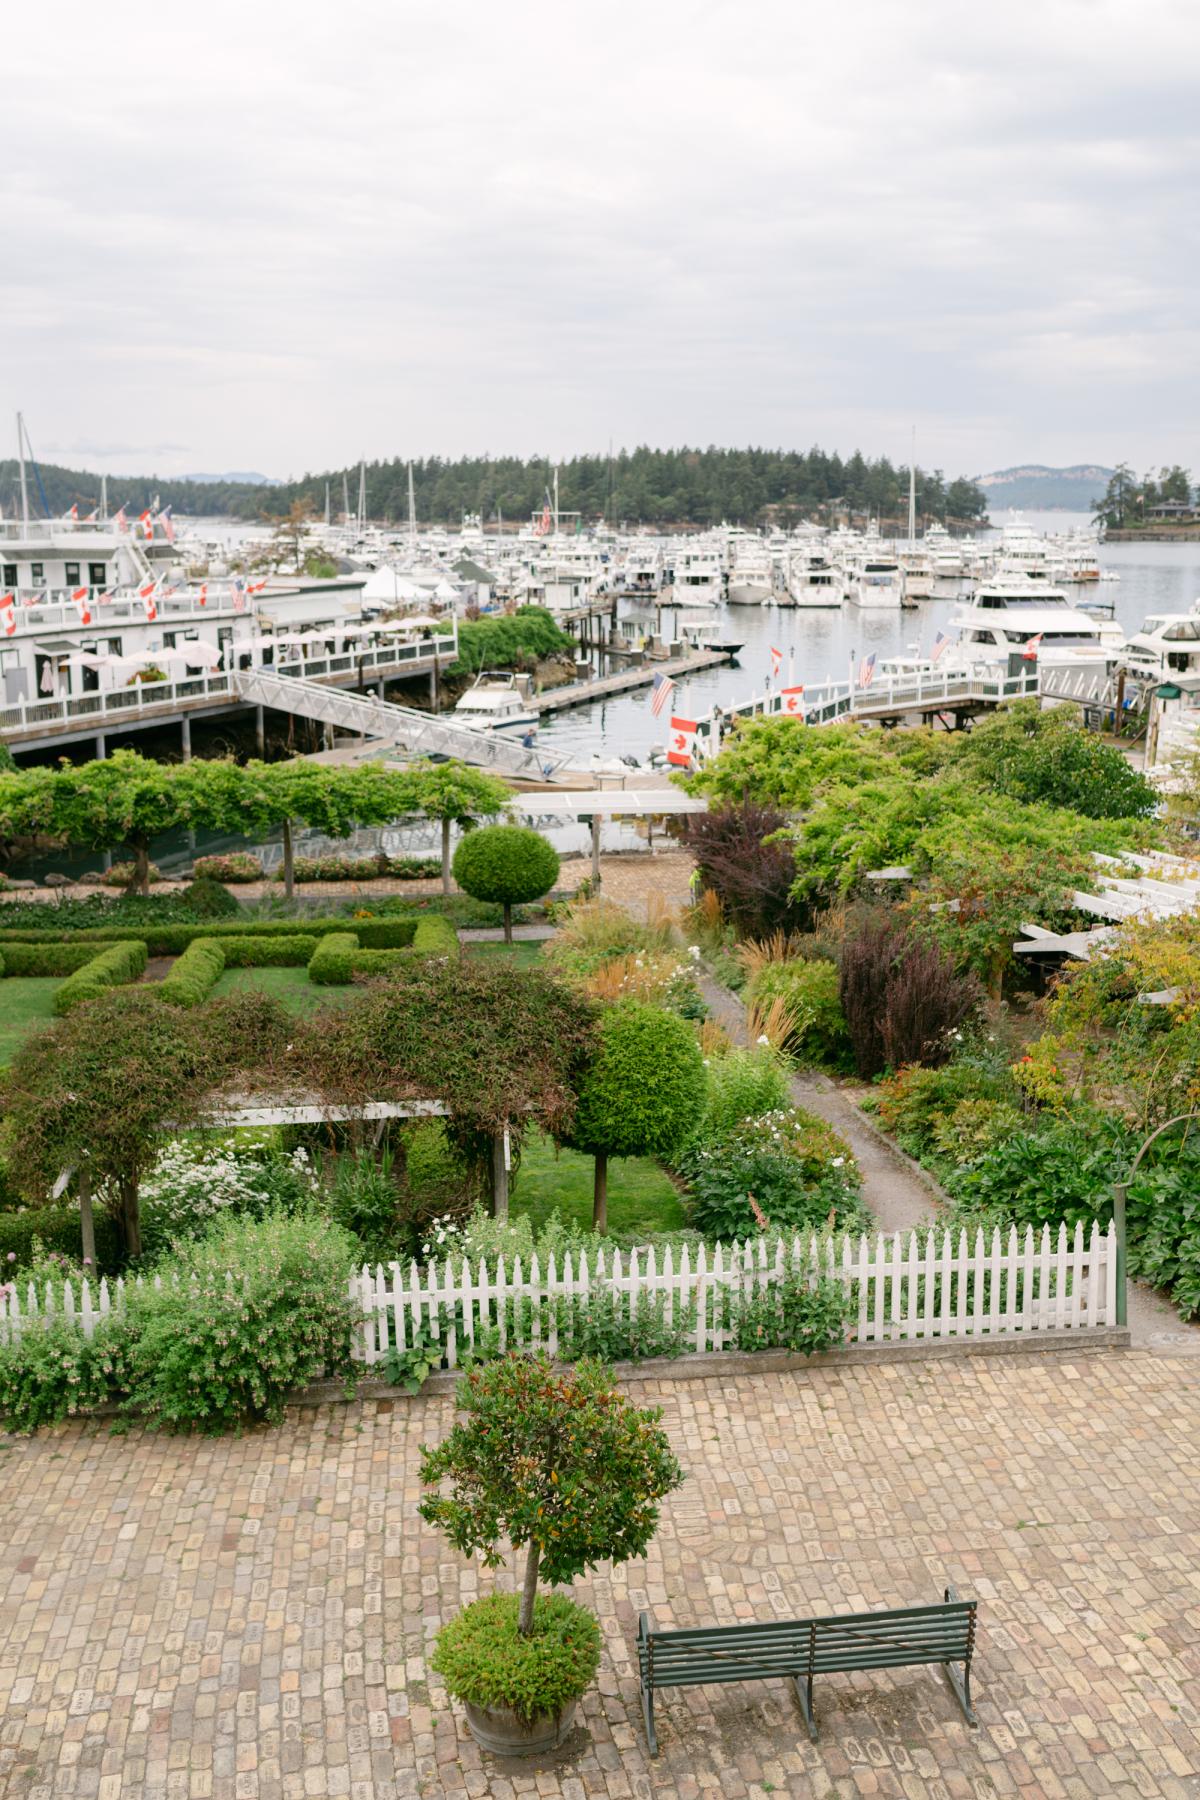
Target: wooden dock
{"points": [[580, 693]]}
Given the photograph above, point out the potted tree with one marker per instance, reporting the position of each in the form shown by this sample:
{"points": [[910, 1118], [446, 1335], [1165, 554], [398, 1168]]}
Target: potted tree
{"points": [[561, 1465]]}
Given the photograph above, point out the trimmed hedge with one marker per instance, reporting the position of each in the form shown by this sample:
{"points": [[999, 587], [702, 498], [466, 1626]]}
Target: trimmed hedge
{"points": [[59, 1229], [435, 937], [332, 962], [47, 959], [115, 967], [236, 867], [173, 940], [195, 974], [267, 953]]}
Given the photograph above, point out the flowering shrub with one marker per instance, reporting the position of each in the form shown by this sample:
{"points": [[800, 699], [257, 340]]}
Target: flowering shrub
{"points": [[52, 1372], [121, 874], [253, 1310], [660, 980], [236, 867], [189, 1187], [808, 987], [364, 868], [785, 1170]]}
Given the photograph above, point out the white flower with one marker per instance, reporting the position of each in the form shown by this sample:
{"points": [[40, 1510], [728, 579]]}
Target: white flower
{"points": [[765, 1040], [838, 1161]]}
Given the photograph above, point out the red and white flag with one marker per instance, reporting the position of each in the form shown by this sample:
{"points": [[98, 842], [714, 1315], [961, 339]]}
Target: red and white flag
{"points": [[682, 742], [81, 599], [941, 644], [866, 671], [202, 594], [793, 700], [92, 516], [255, 587], [1032, 647], [660, 693], [8, 617], [148, 595], [146, 523], [119, 519], [72, 511], [168, 525], [776, 660]]}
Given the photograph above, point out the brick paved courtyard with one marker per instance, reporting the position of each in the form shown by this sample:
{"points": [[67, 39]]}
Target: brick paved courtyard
{"points": [[237, 1619]]}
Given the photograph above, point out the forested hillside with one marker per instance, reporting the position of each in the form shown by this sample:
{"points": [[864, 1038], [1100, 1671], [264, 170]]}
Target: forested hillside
{"points": [[696, 487]]}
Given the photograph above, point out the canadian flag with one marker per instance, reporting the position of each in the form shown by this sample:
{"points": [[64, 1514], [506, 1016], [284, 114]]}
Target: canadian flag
{"points": [[255, 587], [147, 524], [8, 618], [120, 521], [81, 600], [72, 512], [1032, 647], [793, 700], [93, 516], [202, 596], [776, 660], [682, 742], [147, 594]]}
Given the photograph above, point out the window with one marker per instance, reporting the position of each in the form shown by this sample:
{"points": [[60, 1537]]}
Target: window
{"points": [[10, 575], [37, 574], [97, 574], [114, 646], [72, 574]]}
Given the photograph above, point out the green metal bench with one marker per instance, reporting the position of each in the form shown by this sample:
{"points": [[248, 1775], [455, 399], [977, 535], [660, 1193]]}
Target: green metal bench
{"points": [[800, 1649]]}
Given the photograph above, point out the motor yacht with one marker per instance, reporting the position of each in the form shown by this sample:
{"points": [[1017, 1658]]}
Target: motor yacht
{"points": [[708, 634], [1009, 610], [1167, 648], [498, 701], [750, 581], [875, 581], [813, 580]]}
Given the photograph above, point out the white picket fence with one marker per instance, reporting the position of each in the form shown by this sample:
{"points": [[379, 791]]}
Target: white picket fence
{"points": [[911, 1286]]}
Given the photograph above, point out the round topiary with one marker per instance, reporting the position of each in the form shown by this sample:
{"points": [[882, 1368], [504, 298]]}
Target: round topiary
{"points": [[506, 864], [484, 1660], [207, 899]]}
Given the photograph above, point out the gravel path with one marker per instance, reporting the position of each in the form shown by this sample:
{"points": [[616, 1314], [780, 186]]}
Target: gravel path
{"points": [[900, 1196]]}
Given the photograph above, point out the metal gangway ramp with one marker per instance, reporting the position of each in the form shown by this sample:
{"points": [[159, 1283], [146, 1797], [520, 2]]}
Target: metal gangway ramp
{"points": [[416, 733]]}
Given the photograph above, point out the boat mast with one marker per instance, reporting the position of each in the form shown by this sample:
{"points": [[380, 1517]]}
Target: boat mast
{"points": [[103, 497], [556, 499], [327, 505], [362, 496], [345, 498], [412, 511], [912, 491], [21, 460]]}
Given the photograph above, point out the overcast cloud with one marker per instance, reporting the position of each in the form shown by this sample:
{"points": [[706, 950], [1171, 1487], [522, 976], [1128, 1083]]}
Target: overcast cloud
{"points": [[281, 237]]}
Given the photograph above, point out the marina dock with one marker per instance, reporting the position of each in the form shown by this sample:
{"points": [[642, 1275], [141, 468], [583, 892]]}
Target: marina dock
{"points": [[579, 693]]}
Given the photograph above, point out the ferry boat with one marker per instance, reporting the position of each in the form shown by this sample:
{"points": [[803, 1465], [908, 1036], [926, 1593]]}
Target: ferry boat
{"points": [[1008, 611], [498, 701]]}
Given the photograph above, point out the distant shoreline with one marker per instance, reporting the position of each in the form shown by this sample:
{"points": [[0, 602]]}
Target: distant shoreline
{"points": [[1155, 534]]}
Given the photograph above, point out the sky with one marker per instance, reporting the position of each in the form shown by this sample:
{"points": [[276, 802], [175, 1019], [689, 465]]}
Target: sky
{"points": [[281, 238]]}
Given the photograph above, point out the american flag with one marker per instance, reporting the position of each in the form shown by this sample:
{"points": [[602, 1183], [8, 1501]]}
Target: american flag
{"points": [[866, 671], [940, 645], [660, 693], [120, 521], [542, 529], [239, 594], [168, 525]]}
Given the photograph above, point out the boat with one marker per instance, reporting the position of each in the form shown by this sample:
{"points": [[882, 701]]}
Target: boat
{"points": [[750, 579], [498, 701], [875, 581], [813, 581], [708, 634], [698, 579], [1166, 647], [1010, 610]]}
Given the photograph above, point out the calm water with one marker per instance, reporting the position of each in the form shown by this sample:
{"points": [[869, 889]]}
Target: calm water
{"points": [[1154, 578]]}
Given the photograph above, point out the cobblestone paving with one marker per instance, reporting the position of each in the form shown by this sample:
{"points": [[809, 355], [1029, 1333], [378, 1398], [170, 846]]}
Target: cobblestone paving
{"points": [[232, 1619]]}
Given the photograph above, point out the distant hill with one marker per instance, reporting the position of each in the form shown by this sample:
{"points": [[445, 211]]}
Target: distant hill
{"points": [[241, 477], [1040, 488]]}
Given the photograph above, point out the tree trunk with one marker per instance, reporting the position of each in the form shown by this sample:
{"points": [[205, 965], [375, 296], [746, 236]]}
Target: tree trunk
{"points": [[508, 938], [141, 868], [445, 856], [289, 861], [499, 1178], [87, 1224], [533, 1557], [131, 1222], [600, 1194]]}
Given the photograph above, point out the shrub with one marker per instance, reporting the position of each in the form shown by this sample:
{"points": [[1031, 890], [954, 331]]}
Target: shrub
{"points": [[742, 1084], [753, 878], [47, 959], [506, 864], [51, 1372], [432, 937], [1047, 755], [207, 899], [484, 1660], [810, 992], [235, 867], [114, 967], [332, 962], [122, 874], [785, 1171], [213, 1353], [191, 1185], [365, 868], [902, 996], [56, 1228], [1062, 1171], [801, 1312], [194, 975], [915, 1103], [286, 951]]}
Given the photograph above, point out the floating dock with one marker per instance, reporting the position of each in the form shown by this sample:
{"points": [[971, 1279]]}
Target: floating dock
{"points": [[580, 693]]}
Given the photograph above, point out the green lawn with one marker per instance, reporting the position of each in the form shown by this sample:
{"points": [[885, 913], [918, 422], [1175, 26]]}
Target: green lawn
{"points": [[524, 954], [26, 1004], [291, 987], [640, 1196]]}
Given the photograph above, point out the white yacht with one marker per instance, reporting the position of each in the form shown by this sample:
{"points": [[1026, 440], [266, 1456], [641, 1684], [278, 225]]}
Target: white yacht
{"points": [[703, 633], [1167, 648], [498, 701], [875, 581], [1009, 610], [750, 580], [916, 566], [813, 580], [945, 556], [698, 579]]}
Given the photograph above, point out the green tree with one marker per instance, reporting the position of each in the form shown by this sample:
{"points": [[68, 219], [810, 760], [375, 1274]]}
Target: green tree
{"points": [[560, 1464], [1115, 506], [643, 1094], [456, 794], [1048, 755], [508, 865], [328, 799]]}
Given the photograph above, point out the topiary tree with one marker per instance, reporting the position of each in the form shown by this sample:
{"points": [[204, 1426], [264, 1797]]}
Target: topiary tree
{"points": [[644, 1092], [508, 865], [558, 1463]]}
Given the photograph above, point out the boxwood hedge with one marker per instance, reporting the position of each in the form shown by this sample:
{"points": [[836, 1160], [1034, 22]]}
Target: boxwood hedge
{"points": [[194, 975], [115, 967]]}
